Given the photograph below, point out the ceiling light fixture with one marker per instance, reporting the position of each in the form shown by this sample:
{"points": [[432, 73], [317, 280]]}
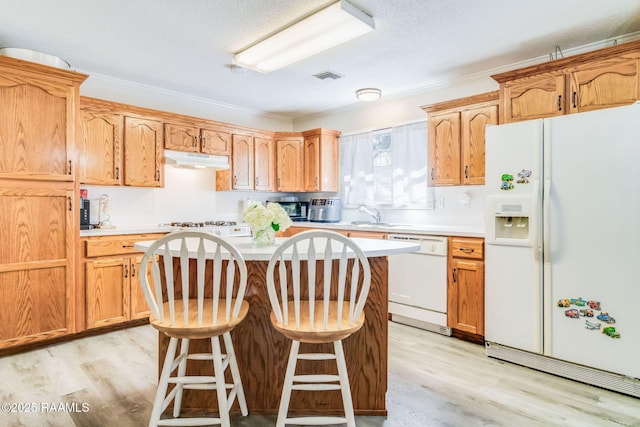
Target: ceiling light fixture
{"points": [[335, 24], [368, 94]]}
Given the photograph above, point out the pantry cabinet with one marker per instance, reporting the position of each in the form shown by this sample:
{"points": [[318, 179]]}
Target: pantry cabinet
{"points": [[38, 208], [456, 139], [111, 279], [465, 287], [603, 78]]}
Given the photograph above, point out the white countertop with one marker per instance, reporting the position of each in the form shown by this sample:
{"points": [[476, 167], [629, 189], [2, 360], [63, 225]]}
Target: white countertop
{"points": [[250, 252], [434, 229], [438, 230]]}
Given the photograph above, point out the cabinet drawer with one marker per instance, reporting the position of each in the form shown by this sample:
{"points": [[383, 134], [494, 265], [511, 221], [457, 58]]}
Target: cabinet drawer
{"points": [[115, 245], [467, 248]]}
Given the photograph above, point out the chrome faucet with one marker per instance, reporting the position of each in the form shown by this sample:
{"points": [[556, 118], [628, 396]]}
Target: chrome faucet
{"points": [[375, 213]]}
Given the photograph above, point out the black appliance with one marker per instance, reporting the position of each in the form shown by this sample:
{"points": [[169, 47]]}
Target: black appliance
{"points": [[84, 214], [297, 211]]}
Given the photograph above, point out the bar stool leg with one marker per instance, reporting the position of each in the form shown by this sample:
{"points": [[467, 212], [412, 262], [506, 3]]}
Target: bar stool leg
{"points": [[288, 384], [344, 384], [235, 373], [163, 382], [182, 370], [221, 385]]}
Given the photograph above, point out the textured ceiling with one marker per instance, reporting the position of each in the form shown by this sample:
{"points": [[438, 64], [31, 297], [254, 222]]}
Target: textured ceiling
{"points": [[186, 45]]}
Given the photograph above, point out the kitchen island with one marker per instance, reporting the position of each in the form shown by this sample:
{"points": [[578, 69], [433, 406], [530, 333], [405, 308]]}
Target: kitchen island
{"points": [[262, 352]]}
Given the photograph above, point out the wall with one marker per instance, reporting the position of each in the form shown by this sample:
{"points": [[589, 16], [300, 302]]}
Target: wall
{"points": [[450, 203]]}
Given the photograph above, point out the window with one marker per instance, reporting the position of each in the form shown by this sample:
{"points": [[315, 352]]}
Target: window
{"points": [[385, 167]]}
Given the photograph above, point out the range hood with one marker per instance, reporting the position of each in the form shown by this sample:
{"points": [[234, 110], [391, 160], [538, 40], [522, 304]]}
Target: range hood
{"points": [[195, 160]]}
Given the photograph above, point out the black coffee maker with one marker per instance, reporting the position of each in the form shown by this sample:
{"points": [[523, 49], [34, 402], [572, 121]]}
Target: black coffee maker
{"points": [[84, 214]]}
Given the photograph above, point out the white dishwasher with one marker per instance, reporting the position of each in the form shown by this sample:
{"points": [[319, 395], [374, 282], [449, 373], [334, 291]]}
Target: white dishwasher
{"points": [[418, 284]]}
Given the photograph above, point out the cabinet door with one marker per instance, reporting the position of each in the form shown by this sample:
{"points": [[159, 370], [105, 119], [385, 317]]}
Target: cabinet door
{"points": [[474, 122], [37, 136], [142, 152], [603, 84], [99, 148], [534, 97], [36, 263], [139, 307], [264, 164], [107, 291], [465, 297], [311, 175], [242, 162], [181, 138], [444, 149], [215, 142], [289, 165]]}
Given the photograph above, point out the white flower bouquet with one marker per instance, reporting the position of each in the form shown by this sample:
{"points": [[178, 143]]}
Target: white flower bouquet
{"points": [[265, 221]]}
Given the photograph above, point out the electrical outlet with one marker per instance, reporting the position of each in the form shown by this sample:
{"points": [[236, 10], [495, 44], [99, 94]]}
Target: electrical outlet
{"points": [[440, 202]]}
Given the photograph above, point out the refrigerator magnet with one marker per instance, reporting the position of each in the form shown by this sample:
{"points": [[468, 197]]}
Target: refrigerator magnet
{"points": [[523, 176], [507, 182]]}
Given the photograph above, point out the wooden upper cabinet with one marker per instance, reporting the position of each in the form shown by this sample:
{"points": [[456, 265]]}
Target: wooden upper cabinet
{"points": [[311, 155], [456, 139], [534, 98], [602, 78], [38, 109], [143, 152], [289, 169], [196, 139], [320, 157], [214, 141], [242, 171], [444, 149], [100, 148], [608, 83], [181, 138], [264, 164], [474, 122]]}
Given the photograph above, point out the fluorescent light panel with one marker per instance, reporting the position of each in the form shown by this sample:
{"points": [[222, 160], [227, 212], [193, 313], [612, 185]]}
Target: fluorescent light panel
{"points": [[335, 24]]}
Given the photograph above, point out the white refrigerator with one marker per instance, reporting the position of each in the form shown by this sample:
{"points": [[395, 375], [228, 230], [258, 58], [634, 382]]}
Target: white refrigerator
{"points": [[562, 260]]}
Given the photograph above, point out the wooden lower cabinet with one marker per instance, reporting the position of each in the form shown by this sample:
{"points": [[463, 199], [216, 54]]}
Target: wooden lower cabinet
{"points": [[111, 273], [465, 289]]}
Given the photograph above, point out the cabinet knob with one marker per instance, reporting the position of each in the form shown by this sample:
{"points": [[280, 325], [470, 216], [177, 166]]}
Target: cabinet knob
{"points": [[559, 102], [203, 141], [574, 99], [195, 142], [117, 172], [466, 171], [158, 177], [126, 270]]}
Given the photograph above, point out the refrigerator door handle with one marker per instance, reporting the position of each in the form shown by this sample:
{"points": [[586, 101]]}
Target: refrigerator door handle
{"points": [[537, 250]]}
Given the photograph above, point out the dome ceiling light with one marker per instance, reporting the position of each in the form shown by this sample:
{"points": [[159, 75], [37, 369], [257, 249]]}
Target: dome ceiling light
{"points": [[368, 94]]}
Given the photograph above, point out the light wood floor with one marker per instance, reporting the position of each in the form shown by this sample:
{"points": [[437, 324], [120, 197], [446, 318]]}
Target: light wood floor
{"points": [[433, 381]]}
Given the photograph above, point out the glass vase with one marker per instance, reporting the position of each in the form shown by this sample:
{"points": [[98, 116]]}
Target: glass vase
{"points": [[265, 237]]}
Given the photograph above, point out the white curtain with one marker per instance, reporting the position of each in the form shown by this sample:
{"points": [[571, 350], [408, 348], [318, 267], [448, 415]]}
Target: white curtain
{"points": [[409, 161], [361, 185], [357, 155]]}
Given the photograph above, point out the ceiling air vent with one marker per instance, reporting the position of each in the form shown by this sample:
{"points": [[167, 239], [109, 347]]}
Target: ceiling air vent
{"points": [[328, 75]]}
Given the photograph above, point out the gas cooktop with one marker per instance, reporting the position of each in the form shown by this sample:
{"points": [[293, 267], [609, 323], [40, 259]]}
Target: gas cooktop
{"points": [[222, 228]]}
